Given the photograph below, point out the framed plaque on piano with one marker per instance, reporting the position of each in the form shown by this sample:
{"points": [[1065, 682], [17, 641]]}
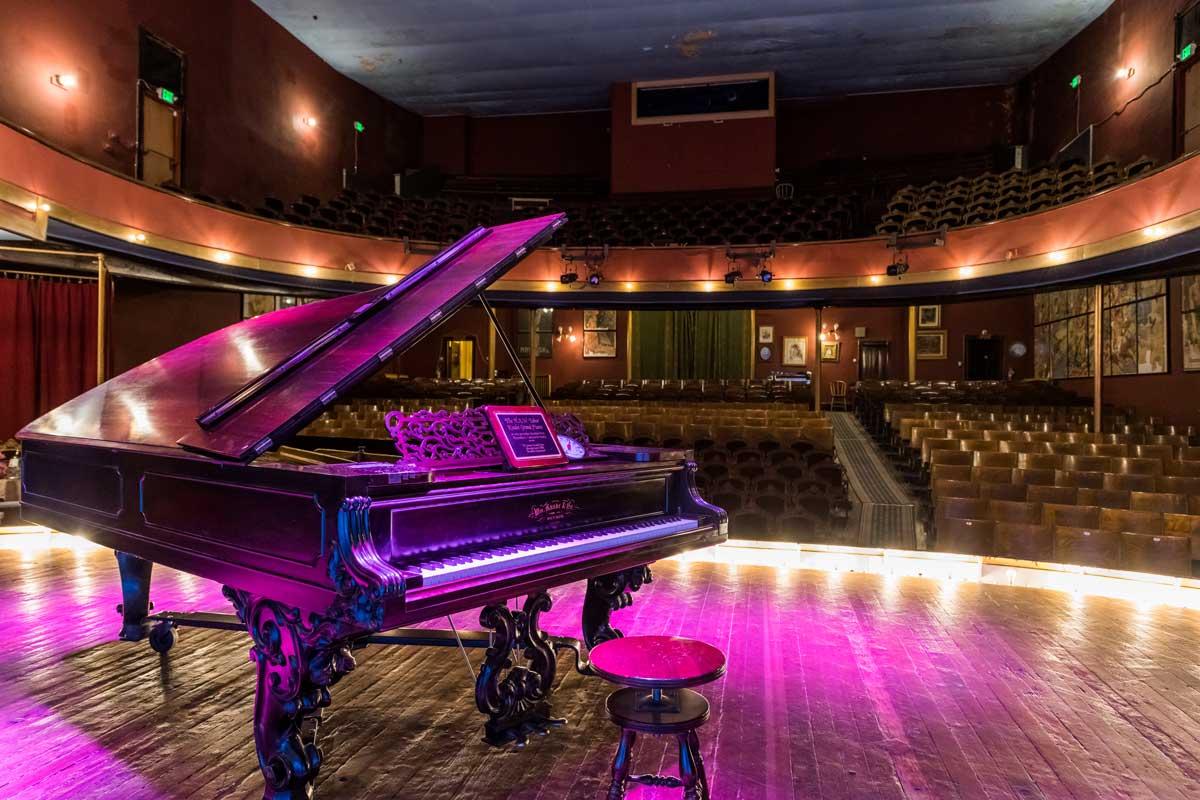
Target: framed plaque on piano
{"points": [[526, 436]]}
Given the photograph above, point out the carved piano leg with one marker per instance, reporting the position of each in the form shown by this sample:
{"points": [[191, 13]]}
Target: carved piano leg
{"points": [[299, 657], [516, 698], [605, 595], [135, 596]]}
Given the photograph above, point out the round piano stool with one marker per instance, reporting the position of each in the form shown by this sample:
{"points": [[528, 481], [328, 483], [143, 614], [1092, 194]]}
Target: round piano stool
{"points": [[657, 672]]}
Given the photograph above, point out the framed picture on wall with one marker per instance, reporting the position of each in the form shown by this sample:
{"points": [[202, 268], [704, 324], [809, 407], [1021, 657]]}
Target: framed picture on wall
{"points": [[599, 344], [929, 316], [795, 351], [766, 334], [831, 351], [1190, 302], [931, 345], [605, 320], [255, 305], [765, 352]]}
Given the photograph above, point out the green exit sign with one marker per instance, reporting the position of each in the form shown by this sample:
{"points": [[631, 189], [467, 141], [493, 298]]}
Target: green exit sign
{"points": [[358, 126], [1076, 82], [167, 96], [1188, 51]]}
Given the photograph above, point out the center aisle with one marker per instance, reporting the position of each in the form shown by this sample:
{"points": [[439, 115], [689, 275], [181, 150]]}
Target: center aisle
{"points": [[888, 512]]}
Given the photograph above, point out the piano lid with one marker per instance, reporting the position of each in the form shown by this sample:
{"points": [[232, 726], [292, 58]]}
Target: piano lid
{"points": [[238, 391]]}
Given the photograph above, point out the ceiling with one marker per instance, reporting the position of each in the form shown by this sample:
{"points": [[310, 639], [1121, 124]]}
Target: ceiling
{"points": [[525, 56]]}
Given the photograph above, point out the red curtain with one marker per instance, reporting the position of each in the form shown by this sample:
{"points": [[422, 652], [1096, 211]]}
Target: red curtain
{"points": [[18, 356], [47, 347]]}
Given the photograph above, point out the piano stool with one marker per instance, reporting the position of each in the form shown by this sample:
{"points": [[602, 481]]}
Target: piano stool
{"points": [[667, 666]]}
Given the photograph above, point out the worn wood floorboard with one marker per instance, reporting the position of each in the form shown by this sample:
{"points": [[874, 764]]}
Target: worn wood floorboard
{"points": [[840, 687]]}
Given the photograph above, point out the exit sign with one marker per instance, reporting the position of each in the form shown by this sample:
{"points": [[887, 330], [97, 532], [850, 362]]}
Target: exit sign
{"points": [[167, 96]]}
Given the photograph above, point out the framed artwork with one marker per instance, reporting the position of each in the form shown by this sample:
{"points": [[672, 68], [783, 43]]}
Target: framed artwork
{"points": [[1135, 328], [931, 345], [831, 351], [765, 352], [1190, 302], [766, 334], [255, 305], [600, 320], [1062, 334], [795, 351], [929, 316], [599, 344]]}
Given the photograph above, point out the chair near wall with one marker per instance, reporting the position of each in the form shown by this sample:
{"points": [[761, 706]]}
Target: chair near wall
{"points": [[837, 396]]}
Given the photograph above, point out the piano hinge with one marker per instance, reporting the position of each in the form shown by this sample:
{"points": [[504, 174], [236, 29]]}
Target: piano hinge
{"points": [[262, 446], [435, 316], [520, 252], [386, 354], [328, 397]]}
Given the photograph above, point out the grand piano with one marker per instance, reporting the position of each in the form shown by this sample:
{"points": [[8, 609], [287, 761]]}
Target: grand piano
{"points": [[190, 461]]}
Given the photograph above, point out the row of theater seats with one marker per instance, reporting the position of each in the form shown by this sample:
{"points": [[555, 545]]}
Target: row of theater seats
{"points": [[1025, 397], [773, 468], [699, 391], [1042, 486], [628, 223], [987, 197], [362, 418]]}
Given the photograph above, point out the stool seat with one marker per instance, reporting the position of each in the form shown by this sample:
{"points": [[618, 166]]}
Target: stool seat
{"points": [[657, 662]]}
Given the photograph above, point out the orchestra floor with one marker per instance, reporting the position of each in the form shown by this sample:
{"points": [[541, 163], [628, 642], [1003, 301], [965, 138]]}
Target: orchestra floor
{"points": [[839, 686]]}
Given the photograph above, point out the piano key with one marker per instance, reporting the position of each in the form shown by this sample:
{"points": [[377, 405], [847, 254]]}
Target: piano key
{"points": [[447, 570]]}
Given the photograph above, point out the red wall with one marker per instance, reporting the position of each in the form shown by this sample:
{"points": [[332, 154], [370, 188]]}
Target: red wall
{"points": [[149, 318], [1131, 33], [1011, 318], [690, 156], [248, 80], [527, 145], [894, 126]]}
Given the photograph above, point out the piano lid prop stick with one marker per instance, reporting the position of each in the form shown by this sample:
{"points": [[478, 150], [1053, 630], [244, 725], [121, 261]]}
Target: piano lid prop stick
{"points": [[512, 351], [461, 649]]}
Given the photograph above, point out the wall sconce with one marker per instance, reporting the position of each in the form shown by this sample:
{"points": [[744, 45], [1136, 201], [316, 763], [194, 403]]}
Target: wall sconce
{"points": [[568, 334], [65, 81], [310, 122], [830, 333]]}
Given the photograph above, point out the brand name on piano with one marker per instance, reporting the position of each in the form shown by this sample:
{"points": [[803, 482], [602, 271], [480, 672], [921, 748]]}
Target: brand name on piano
{"points": [[553, 510]]}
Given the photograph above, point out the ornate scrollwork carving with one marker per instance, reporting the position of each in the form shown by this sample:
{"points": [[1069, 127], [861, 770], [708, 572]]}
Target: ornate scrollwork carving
{"points": [[606, 594], [299, 656], [570, 425], [432, 437], [362, 576], [515, 698]]}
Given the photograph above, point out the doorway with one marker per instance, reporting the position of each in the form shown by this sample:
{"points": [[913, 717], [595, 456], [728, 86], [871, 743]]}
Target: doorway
{"points": [[984, 358], [873, 360], [458, 356], [160, 112]]}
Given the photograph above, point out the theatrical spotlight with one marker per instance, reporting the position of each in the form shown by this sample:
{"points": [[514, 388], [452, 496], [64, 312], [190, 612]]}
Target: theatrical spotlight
{"points": [[765, 275], [897, 268], [595, 278], [733, 276], [568, 278]]}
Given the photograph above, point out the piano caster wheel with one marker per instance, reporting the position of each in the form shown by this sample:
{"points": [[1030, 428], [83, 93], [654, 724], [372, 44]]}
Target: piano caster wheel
{"points": [[163, 637]]}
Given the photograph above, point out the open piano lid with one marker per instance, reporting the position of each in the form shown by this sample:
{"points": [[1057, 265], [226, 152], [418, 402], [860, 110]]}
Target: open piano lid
{"points": [[237, 392]]}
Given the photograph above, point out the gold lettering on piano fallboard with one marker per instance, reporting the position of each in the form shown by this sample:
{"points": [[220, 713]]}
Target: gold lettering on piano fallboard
{"points": [[553, 510]]}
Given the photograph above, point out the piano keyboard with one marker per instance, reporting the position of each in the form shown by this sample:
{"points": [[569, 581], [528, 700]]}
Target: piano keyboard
{"points": [[467, 565]]}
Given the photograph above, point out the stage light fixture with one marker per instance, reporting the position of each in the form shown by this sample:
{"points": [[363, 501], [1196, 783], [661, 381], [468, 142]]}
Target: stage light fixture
{"points": [[595, 279], [567, 278], [897, 269], [765, 275], [733, 276], [65, 81]]}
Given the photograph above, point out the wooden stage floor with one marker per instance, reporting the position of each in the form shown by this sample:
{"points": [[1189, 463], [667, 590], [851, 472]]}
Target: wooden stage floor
{"points": [[839, 686]]}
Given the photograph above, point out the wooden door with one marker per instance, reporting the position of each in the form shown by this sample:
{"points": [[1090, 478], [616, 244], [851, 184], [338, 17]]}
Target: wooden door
{"points": [[873, 360], [162, 127]]}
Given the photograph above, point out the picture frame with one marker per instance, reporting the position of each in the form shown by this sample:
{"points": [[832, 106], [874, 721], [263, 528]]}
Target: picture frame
{"points": [[831, 351], [766, 334], [795, 351], [255, 305], [765, 352], [929, 316], [931, 345], [600, 320], [1189, 301], [600, 344]]}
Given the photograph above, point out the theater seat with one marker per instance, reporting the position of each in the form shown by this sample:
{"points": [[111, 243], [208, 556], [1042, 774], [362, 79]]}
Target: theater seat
{"points": [[969, 536], [1167, 555], [1087, 546], [1027, 542]]}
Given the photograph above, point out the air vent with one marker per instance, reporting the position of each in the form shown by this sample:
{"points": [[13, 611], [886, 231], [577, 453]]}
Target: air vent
{"points": [[704, 99]]}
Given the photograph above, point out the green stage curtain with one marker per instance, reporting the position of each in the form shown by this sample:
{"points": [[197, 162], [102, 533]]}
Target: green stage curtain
{"points": [[709, 345]]}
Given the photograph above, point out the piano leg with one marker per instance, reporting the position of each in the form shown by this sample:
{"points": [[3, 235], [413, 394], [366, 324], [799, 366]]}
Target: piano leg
{"points": [[135, 596], [607, 594], [299, 657], [516, 698]]}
